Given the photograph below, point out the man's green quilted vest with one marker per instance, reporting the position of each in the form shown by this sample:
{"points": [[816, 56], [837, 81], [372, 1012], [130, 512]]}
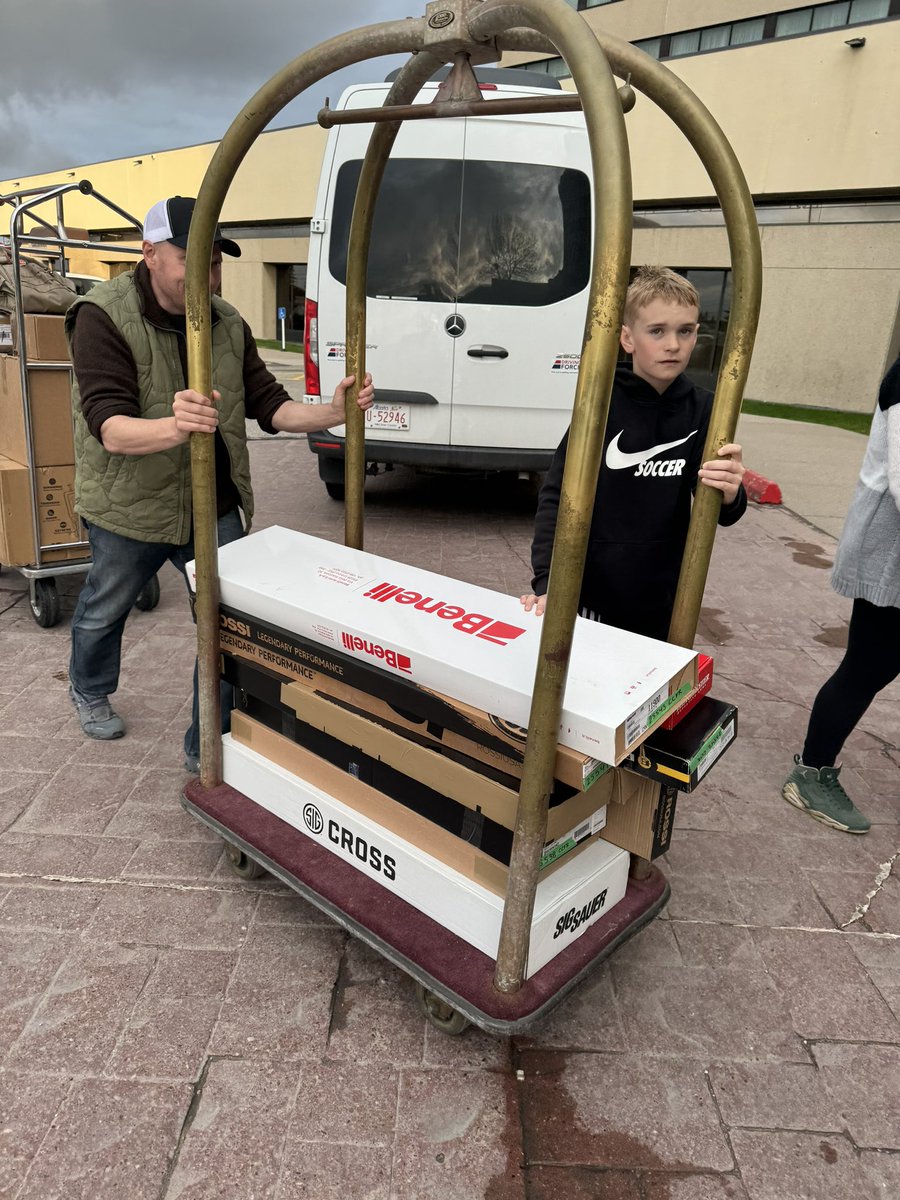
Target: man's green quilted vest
{"points": [[148, 496]]}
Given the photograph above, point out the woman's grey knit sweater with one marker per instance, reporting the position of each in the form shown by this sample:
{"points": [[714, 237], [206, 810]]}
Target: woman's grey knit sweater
{"points": [[867, 563]]}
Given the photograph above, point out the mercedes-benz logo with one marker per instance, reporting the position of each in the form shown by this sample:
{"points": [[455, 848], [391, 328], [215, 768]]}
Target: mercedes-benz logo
{"points": [[455, 325], [313, 819]]}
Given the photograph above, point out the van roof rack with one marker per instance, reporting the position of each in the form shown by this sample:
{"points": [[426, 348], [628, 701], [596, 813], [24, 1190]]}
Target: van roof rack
{"points": [[510, 76]]}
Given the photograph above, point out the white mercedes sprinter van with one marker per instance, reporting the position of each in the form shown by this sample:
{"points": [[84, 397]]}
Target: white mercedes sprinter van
{"points": [[477, 284]]}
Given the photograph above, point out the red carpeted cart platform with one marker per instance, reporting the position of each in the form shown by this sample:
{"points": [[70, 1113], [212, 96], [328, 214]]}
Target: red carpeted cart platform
{"points": [[455, 982]]}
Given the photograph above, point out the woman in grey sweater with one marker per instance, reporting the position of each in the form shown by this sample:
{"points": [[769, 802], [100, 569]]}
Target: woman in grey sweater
{"points": [[866, 569]]}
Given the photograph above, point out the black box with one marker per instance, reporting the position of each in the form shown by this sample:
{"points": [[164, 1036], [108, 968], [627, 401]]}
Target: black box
{"points": [[680, 757]]}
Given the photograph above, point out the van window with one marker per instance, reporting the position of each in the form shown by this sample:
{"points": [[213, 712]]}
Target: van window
{"points": [[470, 231]]}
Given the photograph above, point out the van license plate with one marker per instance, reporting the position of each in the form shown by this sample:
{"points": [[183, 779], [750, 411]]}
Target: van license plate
{"points": [[387, 416]]}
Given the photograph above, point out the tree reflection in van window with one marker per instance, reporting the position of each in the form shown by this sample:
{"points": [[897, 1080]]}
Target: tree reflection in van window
{"points": [[476, 232]]}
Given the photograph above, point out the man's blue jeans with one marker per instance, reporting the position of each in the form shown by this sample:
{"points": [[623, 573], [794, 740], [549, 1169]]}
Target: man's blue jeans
{"points": [[120, 568]]}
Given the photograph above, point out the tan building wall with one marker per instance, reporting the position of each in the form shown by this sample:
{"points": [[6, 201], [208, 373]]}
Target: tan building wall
{"points": [[804, 114], [831, 297]]}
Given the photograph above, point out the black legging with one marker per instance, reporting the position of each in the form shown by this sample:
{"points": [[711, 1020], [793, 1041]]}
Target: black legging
{"points": [[872, 662]]}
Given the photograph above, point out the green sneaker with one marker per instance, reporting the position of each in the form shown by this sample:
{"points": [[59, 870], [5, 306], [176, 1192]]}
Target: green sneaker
{"points": [[819, 793]]}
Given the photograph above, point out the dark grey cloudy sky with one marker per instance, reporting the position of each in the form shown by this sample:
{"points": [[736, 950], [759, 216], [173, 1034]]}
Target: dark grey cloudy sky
{"points": [[82, 81]]}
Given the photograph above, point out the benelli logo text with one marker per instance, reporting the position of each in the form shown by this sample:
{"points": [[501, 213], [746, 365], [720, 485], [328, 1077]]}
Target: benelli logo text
{"points": [[498, 632], [576, 917], [400, 662]]}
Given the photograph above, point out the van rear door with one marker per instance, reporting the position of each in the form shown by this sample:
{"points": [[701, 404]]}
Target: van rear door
{"points": [[412, 276], [524, 267]]}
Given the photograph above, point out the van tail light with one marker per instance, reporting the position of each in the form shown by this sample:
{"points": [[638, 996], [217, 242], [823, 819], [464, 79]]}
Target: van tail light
{"points": [[311, 348]]}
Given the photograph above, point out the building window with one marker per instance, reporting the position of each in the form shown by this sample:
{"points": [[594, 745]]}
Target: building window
{"points": [[684, 43], [651, 46], [812, 19], [815, 18]]}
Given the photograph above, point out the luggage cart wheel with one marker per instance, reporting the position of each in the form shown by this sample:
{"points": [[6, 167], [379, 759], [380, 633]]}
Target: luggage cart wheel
{"points": [[44, 602], [148, 596], [242, 864], [439, 1013]]}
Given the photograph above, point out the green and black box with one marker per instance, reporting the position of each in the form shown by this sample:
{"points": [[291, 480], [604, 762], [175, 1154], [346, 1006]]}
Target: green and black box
{"points": [[681, 757]]}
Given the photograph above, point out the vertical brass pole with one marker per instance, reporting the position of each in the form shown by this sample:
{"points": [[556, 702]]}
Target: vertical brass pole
{"points": [[391, 37], [405, 88], [609, 277]]}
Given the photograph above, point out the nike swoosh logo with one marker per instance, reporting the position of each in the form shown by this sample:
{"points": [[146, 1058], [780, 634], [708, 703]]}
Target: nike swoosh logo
{"points": [[618, 460]]}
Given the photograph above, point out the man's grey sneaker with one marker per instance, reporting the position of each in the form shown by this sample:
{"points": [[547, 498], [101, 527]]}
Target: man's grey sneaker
{"points": [[192, 764], [97, 716], [821, 794]]}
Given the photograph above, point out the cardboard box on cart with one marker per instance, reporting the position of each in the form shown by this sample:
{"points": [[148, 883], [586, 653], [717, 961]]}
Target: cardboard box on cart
{"points": [[45, 337], [569, 821], [475, 645], [252, 664], [643, 816], [681, 757], [50, 404], [461, 794], [58, 522], [454, 883]]}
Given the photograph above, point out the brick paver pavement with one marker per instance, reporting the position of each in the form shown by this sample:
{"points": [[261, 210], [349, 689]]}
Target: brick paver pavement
{"points": [[169, 1031]]}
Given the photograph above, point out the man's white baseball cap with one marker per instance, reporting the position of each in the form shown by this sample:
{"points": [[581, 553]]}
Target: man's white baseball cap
{"points": [[169, 221]]}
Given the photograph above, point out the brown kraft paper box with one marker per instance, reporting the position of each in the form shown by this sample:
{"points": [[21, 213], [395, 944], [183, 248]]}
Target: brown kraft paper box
{"points": [[58, 523], [468, 860], [50, 403]]}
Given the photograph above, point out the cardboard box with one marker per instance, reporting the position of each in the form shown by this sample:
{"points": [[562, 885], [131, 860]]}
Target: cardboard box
{"points": [[682, 756], [460, 794], [58, 525], [50, 400], [475, 645], [453, 883], [704, 683], [643, 820], [432, 786], [261, 654], [448, 778], [45, 337]]}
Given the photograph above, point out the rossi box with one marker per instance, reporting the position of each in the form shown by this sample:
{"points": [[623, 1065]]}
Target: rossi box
{"points": [[682, 756], [475, 645], [261, 654], [455, 884], [50, 406], [643, 820]]}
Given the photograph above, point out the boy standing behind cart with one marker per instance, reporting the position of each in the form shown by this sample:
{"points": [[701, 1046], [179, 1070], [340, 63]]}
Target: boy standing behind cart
{"points": [[651, 463]]}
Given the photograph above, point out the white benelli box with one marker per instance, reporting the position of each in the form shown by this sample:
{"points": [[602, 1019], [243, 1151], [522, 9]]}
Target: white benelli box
{"points": [[469, 643]]}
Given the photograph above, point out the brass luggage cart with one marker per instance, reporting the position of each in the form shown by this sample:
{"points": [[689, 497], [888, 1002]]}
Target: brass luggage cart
{"points": [[49, 492], [457, 984]]}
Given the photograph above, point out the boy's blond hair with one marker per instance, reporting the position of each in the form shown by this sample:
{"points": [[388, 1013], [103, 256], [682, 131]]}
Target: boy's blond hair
{"points": [[658, 283]]}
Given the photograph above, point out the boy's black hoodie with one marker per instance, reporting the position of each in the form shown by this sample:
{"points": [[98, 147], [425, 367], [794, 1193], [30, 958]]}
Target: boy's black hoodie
{"points": [[652, 451]]}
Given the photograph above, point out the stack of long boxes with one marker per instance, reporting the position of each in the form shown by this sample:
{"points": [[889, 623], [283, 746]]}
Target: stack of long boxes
{"points": [[49, 386], [381, 713]]}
